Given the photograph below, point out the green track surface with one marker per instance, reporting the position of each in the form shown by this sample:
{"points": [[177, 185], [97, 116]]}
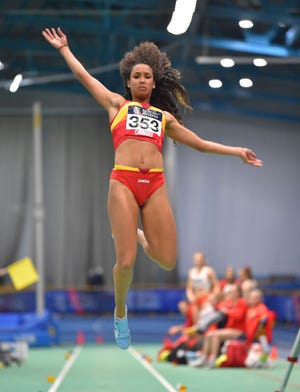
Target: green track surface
{"points": [[107, 368]]}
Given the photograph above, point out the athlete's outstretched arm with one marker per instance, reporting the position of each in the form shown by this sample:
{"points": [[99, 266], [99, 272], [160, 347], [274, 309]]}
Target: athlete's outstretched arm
{"points": [[183, 135], [104, 96]]}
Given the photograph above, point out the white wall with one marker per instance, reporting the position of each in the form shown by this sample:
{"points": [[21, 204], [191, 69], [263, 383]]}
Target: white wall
{"points": [[234, 213]]}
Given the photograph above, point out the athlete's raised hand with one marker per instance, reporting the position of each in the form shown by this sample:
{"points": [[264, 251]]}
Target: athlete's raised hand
{"points": [[248, 156], [56, 38]]}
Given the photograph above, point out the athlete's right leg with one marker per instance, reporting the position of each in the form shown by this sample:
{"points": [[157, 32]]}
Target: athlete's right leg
{"points": [[123, 214]]}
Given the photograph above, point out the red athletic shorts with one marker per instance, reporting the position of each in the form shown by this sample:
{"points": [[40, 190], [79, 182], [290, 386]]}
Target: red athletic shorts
{"points": [[141, 182]]}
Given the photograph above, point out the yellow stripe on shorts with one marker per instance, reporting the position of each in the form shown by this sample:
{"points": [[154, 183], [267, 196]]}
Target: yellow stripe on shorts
{"points": [[136, 169]]}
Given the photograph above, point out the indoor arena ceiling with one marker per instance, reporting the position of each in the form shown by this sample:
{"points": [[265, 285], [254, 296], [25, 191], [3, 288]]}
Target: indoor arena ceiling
{"points": [[100, 31]]}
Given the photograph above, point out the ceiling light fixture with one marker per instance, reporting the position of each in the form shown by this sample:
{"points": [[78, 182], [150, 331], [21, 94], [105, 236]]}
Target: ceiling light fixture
{"points": [[16, 83], [260, 62], [227, 63], [182, 16], [246, 82], [215, 83], [246, 24]]}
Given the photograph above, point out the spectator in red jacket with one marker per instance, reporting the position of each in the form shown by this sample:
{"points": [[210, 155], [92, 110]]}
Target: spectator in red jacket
{"points": [[259, 319], [235, 307]]}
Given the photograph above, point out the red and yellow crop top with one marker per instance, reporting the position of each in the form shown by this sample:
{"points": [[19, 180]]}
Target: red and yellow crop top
{"points": [[139, 121]]}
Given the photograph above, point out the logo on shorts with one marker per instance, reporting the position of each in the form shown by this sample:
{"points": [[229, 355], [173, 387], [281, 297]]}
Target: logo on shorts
{"points": [[141, 180]]}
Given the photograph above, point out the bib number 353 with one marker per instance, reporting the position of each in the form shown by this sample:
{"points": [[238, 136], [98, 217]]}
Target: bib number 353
{"points": [[144, 123]]}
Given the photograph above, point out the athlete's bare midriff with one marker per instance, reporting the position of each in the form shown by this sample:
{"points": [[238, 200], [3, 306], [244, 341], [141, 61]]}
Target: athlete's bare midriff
{"points": [[137, 153]]}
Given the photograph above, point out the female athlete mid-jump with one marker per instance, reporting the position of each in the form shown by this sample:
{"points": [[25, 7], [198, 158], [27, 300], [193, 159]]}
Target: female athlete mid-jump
{"points": [[139, 121]]}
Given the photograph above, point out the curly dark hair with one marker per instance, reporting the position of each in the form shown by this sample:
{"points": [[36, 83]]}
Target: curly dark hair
{"points": [[169, 93]]}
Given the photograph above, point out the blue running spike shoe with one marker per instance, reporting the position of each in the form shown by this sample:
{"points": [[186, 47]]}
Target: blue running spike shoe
{"points": [[121, 331]]}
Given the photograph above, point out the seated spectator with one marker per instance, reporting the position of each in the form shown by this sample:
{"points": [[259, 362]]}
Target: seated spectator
{"points": [[259, 319], [186, 310], [229, 279], [247, 282], [198, 319], [235, 308], [185, 341], [206, 317]]}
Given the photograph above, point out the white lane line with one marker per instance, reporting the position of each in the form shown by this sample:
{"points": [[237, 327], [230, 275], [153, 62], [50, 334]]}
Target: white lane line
{"points": [[151, 370], [70, 362]]}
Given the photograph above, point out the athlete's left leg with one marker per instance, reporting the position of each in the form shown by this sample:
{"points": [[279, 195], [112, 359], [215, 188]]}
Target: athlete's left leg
{"points": [[159, 238]]}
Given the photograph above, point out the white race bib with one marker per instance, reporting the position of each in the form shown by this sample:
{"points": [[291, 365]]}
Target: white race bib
{"points": [[144, 122]]}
